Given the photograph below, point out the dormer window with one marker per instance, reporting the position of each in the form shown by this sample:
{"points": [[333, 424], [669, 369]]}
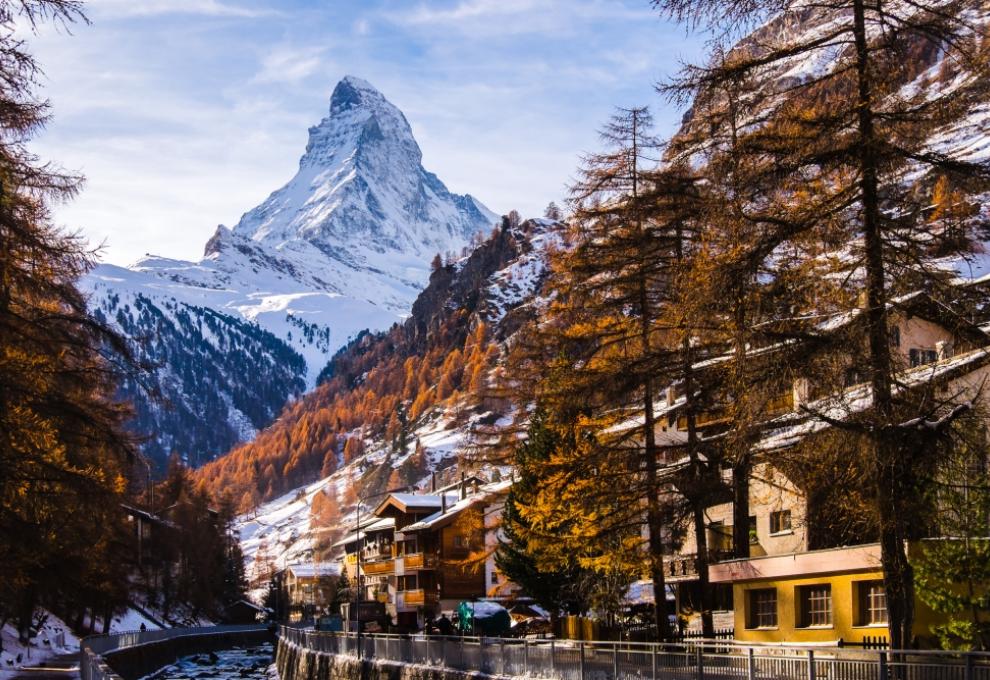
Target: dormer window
{"points": [[919, 357]]}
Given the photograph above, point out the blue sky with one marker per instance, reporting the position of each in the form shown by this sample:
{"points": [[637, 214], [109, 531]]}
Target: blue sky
{"points": [[183, 114]]}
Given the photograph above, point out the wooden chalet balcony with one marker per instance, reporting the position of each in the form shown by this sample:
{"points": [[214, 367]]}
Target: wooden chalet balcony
{"points": [[414, 598], [415, 561], [685, 567], [378, 567], [680, 567]]}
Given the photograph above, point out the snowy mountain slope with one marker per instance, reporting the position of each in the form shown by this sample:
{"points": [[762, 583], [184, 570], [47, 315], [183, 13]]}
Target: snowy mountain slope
{"points": [[344, 246], [498, 283]]}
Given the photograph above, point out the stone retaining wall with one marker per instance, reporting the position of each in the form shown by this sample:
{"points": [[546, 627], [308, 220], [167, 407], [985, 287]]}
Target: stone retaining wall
{"points": [[136, 662], [296, 663]]}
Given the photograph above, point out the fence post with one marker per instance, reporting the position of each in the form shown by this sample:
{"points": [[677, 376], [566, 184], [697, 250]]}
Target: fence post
{"points": [[969, 666], [882, 665], [701, 662], [811, 664], [615, 660], [525, 656], [501, 649], [553, 662], [581, 652], [654, 660], [751, 665]]}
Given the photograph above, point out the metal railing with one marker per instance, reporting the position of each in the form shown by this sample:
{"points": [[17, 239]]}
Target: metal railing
{"points": [[702, 660], [92, 666]]}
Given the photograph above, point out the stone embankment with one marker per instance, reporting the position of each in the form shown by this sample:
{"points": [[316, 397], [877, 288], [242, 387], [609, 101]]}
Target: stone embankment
{"points": [[296, 663]]}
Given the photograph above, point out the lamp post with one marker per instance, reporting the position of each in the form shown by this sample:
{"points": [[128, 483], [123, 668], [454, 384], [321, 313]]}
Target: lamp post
{"points": [[151, 510], [360, 546]]}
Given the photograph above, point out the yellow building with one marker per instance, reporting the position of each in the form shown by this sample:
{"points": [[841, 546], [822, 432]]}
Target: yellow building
{"points": [[821, 596]]}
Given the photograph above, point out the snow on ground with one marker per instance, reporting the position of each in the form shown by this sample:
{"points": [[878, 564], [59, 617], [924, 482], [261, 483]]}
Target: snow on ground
{"points": [[131, 620], [41, 647], [252, 663], [280, 530]]}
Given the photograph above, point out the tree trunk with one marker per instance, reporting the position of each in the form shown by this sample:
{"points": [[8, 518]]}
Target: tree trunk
{"points": [[891, 469], [655, 518], [740, 506], [701, 562]]}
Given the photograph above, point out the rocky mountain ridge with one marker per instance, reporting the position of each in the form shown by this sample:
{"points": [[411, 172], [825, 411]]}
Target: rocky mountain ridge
{"points": [[344, 246]]}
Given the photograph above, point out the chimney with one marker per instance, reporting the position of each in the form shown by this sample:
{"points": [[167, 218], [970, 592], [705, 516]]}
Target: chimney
{"points": [[799, 392], [433, 482], [943, 349], [463, 485], [443, 503]]}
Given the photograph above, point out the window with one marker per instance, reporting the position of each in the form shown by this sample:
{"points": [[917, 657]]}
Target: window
{"points": [[920, 357], [762, 610], [753, 536], [780, 521], [815, 605], [460, 541], [406, 582], [872, 603]]}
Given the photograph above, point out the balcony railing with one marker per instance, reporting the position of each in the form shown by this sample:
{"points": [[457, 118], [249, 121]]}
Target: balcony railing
{"points": [[378, 567], [419, 561], [414, 598]]}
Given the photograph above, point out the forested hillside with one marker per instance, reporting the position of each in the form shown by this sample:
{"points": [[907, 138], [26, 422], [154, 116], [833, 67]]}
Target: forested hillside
{"points": [[381, 386], [212, 380]]}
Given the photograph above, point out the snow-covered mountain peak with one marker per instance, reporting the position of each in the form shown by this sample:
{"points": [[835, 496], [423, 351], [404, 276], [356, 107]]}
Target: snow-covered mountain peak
{"points": [[343, 246], [361, 191]]}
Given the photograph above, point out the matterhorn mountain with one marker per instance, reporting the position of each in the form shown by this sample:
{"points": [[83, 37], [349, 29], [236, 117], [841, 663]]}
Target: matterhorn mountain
{"points": [[346, 245]]}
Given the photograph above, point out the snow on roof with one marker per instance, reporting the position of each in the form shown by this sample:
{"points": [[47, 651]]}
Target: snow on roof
{"points": [[484, 609], [412, 501], [377, 524], [793, 427], [311, 570], [641, 592], [439, 519]]}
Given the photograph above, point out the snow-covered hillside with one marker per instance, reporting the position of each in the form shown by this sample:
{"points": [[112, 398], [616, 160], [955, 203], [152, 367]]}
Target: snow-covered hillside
{"points": [[284, 530], [345, 245]]}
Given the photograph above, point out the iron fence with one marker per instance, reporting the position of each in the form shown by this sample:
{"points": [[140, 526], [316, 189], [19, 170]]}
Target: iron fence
{"points": [[92, 666], [696, 660]]}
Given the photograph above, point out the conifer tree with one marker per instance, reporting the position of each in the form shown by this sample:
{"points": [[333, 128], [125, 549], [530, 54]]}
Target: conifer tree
{"points": [[847, 147], [63, 451], [551, 582], [605, 349]]}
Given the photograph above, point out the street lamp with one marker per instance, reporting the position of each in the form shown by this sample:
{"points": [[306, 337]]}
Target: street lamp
{"points": [[360, 546]]}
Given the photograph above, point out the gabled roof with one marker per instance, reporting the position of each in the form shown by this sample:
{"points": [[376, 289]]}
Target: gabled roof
{"points": [[145, 515], [310, 570], [372, 526], [790, 429], [411, 502], [441, 519]]}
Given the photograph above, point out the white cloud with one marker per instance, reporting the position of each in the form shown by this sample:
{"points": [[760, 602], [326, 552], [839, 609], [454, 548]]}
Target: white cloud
{"points": [[136, 8], [468, 9], [287, 64], [516, 16]]}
